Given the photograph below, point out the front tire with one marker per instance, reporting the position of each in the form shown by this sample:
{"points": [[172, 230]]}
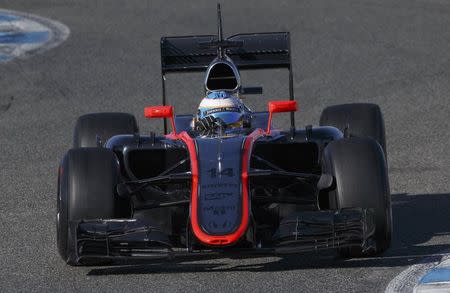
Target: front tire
{"points": [[361, 181], [86, 190]]}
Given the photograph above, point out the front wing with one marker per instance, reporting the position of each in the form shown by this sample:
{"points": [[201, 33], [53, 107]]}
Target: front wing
{"points": [[132, 239]]}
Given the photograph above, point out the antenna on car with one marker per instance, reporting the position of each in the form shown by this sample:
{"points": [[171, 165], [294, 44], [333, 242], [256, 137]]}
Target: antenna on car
{"points": [[220, 43], [219, 32]]}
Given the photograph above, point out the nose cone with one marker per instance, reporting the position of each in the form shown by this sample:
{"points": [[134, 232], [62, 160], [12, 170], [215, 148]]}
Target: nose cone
{"points": [[220, 210]]}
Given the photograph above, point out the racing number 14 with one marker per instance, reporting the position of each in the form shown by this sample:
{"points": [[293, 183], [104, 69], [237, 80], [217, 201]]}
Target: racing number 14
{"points": [[225, 172]]}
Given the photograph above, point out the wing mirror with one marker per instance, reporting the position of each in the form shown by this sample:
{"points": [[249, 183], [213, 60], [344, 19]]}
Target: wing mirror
{"points": [[253, 90], [279, 107], [161, 112]]}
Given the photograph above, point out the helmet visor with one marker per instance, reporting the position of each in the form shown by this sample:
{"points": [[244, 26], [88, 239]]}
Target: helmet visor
{"points": [[229, 118], [228, 115]]}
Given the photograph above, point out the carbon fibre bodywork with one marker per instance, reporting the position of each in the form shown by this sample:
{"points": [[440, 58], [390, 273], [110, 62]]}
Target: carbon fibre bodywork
{"points": [[281, 212], [224, 188]]}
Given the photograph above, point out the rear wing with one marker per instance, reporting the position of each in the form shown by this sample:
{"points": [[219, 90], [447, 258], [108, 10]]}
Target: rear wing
{"points": [[256, 51]]}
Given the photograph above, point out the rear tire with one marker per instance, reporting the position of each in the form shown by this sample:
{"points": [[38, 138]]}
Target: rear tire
{"points": [[102, 125], [361, 181], [86, 190], [362, 120]]}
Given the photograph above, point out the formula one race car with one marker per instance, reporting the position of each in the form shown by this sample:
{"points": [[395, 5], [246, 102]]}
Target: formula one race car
{"points": [[224, 180]]}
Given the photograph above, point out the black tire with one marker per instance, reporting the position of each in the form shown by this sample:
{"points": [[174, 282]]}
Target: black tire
{"points": [[86, 190], [361, 181], [362, 120], [103, 125]]}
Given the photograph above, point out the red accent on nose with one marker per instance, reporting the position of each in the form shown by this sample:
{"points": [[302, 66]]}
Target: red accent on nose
{"points": [[220, 240]]}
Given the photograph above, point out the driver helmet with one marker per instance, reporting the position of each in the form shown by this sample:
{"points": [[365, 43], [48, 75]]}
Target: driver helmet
{"points": [[224, 109]]}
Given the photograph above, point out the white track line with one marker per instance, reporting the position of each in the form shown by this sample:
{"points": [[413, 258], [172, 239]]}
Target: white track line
{"points": [[27, 22], [408, 280]]}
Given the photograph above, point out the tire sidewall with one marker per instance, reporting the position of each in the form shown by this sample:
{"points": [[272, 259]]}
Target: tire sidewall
{"points": [[62, 209], [97, 169], [368, 173]]}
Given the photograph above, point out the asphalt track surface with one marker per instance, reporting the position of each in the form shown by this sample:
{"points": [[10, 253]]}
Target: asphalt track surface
{"points": [[394, 53]]}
